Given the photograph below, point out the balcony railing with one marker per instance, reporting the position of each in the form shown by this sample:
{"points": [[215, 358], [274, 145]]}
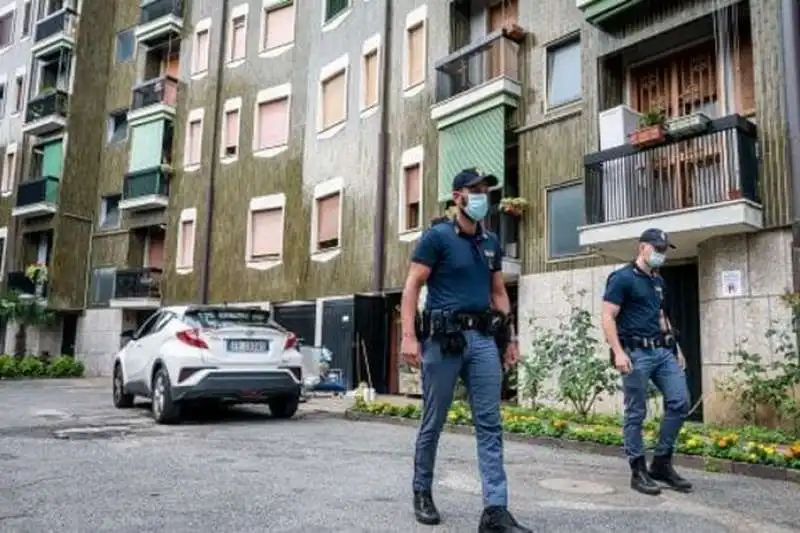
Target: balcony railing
{"points": [[143, 282], [156, 9], [493, 57], [50, 102], [37, 191], [163, 90], [147, 182], [62, 20], [19, 282], [705, 168]]}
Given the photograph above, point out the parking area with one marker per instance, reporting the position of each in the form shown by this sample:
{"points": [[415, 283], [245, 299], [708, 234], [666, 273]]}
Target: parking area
{"points": [[70, 462]]}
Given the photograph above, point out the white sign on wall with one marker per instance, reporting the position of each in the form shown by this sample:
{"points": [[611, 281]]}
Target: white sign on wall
{"points": [[731, 281]]}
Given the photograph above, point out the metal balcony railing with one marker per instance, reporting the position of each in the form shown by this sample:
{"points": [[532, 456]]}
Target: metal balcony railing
{"points": [[155, 9], [63, 20], [495, 56], [506, 227], [37, 191], [142, 282], [50, 102], [162, 90], [147, 182], [711, 166]]}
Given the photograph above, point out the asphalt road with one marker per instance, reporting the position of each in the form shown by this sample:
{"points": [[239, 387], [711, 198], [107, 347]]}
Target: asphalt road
{"points": [[70, 463]]}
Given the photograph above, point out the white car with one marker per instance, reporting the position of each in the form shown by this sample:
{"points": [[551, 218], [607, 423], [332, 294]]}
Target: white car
{"points": [[213, 354]]}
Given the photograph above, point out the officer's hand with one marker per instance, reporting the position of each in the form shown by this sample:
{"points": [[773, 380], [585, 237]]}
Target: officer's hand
{"points": [[410, 350], [511, 357], [622, 363], [681, 360]]}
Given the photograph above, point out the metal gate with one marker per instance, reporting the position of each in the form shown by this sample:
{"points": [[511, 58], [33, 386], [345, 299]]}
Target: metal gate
{"points": [[372, 335], [338, 328], [301, 319]]}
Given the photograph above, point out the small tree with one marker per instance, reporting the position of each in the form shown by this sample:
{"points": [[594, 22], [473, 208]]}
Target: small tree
{"points": [[534, 369], [25, 312]]}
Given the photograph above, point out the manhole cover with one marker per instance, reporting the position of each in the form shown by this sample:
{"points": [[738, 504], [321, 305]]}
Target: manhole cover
{"points": [[86, 433], [573, 486]]}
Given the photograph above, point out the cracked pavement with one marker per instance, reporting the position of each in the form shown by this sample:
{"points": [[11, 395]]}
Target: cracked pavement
{"points": [[70, 462]]}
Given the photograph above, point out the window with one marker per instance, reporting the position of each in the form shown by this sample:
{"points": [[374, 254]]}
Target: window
{"points": [[102, 286], [565, 213], [27, 20], [109, 211], [415, 60], [272, 118], [564, 73], [9, 167], [334, 8], [185, 253], [2, 98], [410, 215], [125, 45], [19, 93], [194, 139], [370, 82], [118, 126], [278, 25], [201, 47], [328, 209], [237, 42], [334, 99], [230, 132], [6, 29], [265, 229], [3, 239]]}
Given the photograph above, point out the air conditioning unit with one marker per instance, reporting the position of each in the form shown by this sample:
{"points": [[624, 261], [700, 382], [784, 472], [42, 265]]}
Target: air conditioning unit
{"points": [[620, 176]]}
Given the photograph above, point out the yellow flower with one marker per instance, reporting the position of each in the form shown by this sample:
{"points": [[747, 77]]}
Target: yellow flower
{"points": [[752, 457]]}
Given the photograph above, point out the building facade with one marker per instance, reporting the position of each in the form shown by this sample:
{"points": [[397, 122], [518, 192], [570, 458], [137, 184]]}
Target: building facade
{"points": [[289, 154]]}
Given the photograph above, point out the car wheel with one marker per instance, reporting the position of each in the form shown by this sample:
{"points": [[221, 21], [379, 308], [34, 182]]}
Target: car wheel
{"points": [[284, 407], [165, 411], [122, 400]]}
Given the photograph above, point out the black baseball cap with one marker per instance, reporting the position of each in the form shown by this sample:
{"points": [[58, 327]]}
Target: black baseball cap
{"points": [[471, 177], [656, 237]]}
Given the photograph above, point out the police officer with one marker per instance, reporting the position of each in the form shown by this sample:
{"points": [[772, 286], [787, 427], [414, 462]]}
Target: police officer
{"points": [[643, 348], [461, 263]]}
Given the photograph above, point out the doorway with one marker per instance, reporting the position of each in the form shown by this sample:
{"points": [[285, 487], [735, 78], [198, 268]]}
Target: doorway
{"points": [[683, 307], [69, 332]]}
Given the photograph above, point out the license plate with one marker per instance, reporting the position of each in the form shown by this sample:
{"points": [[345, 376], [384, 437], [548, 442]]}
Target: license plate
{"points": [[248, 346]]}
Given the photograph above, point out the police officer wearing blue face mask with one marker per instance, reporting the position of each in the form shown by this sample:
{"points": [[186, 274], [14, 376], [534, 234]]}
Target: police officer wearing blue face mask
{"points": [[644, 348], [465, 324]]}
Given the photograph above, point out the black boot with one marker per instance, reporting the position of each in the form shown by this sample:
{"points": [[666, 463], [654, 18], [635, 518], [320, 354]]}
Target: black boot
{"points": [[499, 520], [661, 470], [641, 480], [425, 510]]}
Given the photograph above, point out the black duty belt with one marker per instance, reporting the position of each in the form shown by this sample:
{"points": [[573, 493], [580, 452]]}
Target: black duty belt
{"points": [[661, 341]]}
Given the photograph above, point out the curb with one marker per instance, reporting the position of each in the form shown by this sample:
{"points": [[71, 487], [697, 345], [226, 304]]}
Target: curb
{"points": [[695, 462]]}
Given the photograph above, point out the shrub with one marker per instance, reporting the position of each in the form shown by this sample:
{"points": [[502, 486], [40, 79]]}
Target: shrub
{"points": [[8, 367], [31, 367], [62, 367]]}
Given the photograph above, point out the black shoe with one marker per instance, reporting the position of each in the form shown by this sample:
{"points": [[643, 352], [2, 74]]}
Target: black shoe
{"points": [[661, 470], [641, 480], [425, 510], [499, 520]]}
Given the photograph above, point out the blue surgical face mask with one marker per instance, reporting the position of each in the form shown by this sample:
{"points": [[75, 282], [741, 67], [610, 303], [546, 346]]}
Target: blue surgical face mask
{"points": [[477, 206], [656, 259]]}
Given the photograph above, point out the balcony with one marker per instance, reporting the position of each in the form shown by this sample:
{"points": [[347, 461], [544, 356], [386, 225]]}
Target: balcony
{"points": [[693, 187], [46, 113], [145, 190], [477, 88], [153, 99], [18, 282], [36, 198], [506, 227], [57, 30], [137, 288], [159, 20], [603, 13]]}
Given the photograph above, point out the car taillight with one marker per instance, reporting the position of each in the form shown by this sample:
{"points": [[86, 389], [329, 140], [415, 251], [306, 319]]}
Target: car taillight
{"points": [[192, 338], [290, 342]]}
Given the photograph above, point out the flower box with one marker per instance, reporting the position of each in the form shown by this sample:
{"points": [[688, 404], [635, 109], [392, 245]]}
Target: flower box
{"points": [[648, 136], [514, 32], [686, 125]]}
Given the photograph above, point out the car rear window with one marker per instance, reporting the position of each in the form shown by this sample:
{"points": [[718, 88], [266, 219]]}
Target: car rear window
{"points": [[215, 318]]}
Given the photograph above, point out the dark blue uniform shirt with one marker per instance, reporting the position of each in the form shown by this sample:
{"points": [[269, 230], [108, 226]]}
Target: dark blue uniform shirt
{"points": [[461, 267], [639, 296]]}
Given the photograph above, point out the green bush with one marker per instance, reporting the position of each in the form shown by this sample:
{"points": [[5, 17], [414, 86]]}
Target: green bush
{"points": [[63, 366]]}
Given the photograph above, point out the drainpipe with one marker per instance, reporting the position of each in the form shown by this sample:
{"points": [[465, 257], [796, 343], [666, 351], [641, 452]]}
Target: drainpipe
{"points": [[384, 161], [205, 278], [790, 21]]}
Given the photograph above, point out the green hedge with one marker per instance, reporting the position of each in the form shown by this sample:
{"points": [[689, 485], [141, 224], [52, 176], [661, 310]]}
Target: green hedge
{"points": [[62, 366], [747, 445]]}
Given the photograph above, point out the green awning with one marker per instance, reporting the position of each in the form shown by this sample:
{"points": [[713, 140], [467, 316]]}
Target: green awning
{"points": [[478, 141]]}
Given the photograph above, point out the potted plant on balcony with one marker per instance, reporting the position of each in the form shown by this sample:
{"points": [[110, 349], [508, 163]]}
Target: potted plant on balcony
{"points": [[688, 124], [513, 205], [651, 129], [514, 31], [37, 273]]}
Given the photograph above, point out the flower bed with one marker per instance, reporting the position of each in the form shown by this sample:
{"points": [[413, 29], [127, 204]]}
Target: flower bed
{"points": [[753, 446], [31, 367]]}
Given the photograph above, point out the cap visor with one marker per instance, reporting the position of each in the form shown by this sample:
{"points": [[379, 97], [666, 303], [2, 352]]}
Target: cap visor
{"points": [[490, 180]]}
